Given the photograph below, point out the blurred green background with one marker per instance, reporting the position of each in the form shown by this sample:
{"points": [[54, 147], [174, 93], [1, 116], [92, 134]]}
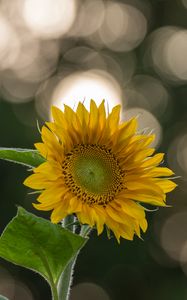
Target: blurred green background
{"points": [[130, 52]]}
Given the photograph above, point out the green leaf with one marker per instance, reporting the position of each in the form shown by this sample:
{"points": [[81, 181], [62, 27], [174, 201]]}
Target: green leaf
{"points": [[27, 157], [39, 245], [3, 298]]}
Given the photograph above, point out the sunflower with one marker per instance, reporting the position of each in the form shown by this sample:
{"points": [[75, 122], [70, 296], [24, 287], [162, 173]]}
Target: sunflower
{"points": [[100, 169]]}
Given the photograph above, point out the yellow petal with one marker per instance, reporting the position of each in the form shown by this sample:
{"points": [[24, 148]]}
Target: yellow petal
{"points": [[84, 216], [45, 206], [138, 142], [75, 205], [37, 181], [126, 232], [143, 184], [54, 149], [117, 214], [113, 214], [51, 170], [143, 141], [159, 171], [83, 114], [166, 185], [58, 214], [99, 220], [146, 198], [131, 208], [127, 129], [63, 136], [102, 115], [143, 224], [53, 194], [93, 122], [121, 137], [135, 157], [153, 161], [113, 225], [58, 115], [113, 119], [141, 155], [74, 125], [42, 149]]}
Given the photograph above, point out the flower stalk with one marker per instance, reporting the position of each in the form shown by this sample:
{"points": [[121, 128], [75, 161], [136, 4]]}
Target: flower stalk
{"points": [[65, 281], [66, 278]]}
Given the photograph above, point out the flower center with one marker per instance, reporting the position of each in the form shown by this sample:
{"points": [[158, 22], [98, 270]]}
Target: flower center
{"points": [[92, 173]]}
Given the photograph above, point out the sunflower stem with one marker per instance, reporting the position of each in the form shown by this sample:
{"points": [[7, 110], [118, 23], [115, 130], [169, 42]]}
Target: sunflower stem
{"points": [[85, 230], [65, 281], [54, 291], [66, 278]]}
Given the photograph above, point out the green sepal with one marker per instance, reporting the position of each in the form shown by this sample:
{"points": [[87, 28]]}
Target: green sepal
{"points": [[3, 298], [39, 245], [28, 157]]}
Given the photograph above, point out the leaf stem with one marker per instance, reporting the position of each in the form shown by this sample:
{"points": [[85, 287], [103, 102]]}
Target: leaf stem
{"points": [[85, 230], [65, 281], [66, 278], [54, 291], [52, 284]]}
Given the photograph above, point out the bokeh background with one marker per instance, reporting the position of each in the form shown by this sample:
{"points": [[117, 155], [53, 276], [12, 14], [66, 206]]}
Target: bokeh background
{"points": [[132, 52]]}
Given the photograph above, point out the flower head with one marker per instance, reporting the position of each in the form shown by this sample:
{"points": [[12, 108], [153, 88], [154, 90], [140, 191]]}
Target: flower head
{"points": [[99, 169]]}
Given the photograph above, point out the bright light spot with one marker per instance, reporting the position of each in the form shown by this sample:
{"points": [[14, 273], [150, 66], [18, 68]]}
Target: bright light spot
{"points": [[93, 59], [85, 56], [147, 92], [184, 2], [37, 60], [182, 153], [12, 288], [89, 291], [13, 10], [7, 283], [124, 27], [158, 43], [49, 18], [177, 49], [17, 90], [22, 292], [34, 62], [147, 123], [177, 156], [183, 258], [29, 50], [91, 13], [83, 86], [9, 44], [117, 67], [166, 51], [173, 234]]}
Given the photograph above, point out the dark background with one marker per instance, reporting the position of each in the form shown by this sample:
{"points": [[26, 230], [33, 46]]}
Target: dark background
{"points": [[129, 52]]}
